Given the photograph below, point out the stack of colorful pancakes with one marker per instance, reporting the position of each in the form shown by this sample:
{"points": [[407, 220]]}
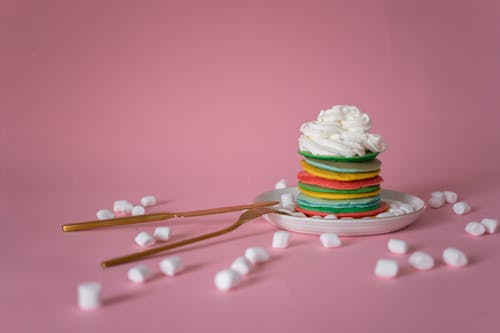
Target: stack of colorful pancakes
{"points": [[344, 186]]}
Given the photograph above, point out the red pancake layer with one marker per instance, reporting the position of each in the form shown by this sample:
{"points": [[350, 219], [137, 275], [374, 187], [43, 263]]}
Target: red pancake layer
{"points": [[381, 209], [307, 178]]}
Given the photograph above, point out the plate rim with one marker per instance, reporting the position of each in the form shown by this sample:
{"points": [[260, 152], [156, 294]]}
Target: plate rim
{"points": [[387, 221]]}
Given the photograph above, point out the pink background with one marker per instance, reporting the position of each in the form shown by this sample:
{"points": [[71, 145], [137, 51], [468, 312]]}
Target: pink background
{"points": [[200, 103]]}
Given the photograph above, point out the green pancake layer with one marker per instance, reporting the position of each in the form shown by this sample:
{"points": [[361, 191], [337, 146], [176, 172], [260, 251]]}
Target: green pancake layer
{"points": [[346, 167], [316, 188], [369, 156]]}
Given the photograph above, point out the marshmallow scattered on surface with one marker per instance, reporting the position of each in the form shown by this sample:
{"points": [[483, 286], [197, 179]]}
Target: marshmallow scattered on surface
{"points": [[256, 255], [162, 234], [281, 184], [127, 208], [421, 260], [451, 197], [385, 214], [386, 268], [437, 202], [171, 266], [461, 208], [144, 239], [281, 239], [330, 217], [438, 194], [490, 224], [227, 279], [286, 200], [397, 246], [330, 239], [118, 205], [394, 203], [406, 208], [123, 206], [104, 214], [138, 210], [148, 200], [139, 274], [397, 211], [454, 257], [317, 217], [475, 228], [242, 265], [89, 295]]}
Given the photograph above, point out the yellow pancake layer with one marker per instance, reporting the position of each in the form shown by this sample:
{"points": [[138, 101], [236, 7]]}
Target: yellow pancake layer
{"points": [[337, 175], [338, 196]]}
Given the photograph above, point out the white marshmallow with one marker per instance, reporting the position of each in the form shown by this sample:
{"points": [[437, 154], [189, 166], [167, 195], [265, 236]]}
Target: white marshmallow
{"points": [[454, 257], [148, 200], [317, 217], [491, 225], [437, 202], [286, 200], [144, 239], [139, 274], [330, 239], [397, 211], [171, 266], [162, 234], [256, 255], [138, 210], [242, 265], [299, 214], [286, 210], [386, 268], [451, 197], [438, 194], [421, 260], [475, 228], [118, 205], [127, 208], [394, 203], [406, 208], [461, 208], [104, 214], [385, 214], [89, 295], [397, 246], [227, 279], [281, 239], [330, 217], [281, 184]]}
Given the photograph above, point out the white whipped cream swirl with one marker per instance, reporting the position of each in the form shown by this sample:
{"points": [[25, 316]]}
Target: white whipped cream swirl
{"points": [[342, 130]]}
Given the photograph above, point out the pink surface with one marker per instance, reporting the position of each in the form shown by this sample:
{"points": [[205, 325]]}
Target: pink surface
{"points": [[200, 103]]}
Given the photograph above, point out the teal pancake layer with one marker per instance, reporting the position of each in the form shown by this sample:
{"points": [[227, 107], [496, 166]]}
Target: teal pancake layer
{"points": [[368, 156], [338, 206], [331, 190], [346, 167]]}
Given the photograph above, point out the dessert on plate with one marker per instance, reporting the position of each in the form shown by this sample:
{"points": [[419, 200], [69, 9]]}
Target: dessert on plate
{"points": [[340, 168]]}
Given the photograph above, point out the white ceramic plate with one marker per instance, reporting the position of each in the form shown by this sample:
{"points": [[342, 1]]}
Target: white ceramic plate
{"points": [[344, 227]]}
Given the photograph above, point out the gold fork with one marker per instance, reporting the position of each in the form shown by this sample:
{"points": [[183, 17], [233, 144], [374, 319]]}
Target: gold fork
{"points": [[159, 217], [245, 217]]}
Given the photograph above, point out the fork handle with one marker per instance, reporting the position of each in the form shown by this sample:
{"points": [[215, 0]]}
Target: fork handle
{"points": [[117, 221], [159, 217]]}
